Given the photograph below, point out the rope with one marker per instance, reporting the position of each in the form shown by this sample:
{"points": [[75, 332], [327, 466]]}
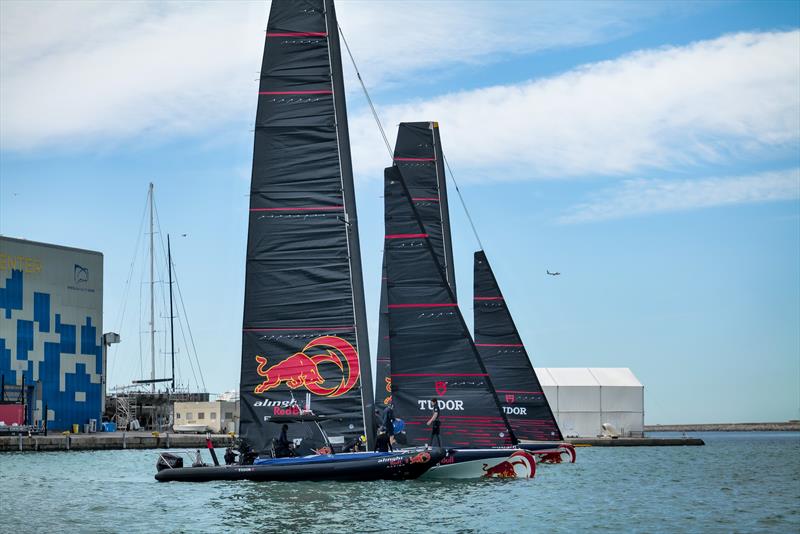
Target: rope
{"points": [[366, 94], [463, 204], [389, 148]]}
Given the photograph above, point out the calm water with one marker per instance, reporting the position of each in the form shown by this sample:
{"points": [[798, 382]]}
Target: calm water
{"points": [[744, 482]]}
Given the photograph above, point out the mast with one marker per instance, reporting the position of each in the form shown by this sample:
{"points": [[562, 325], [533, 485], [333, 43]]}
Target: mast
{"points": [[444, 209], [152, 301], [171, 315], [348, 189]]}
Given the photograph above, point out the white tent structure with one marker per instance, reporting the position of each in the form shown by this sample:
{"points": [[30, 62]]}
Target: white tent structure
{"points": [[583, 399]]}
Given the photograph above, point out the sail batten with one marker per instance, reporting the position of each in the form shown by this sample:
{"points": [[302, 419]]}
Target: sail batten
{"points": [[507, 361], [304, 324]]}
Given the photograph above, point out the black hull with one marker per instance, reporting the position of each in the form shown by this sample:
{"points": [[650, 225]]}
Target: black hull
{"points": [[403, 466]]}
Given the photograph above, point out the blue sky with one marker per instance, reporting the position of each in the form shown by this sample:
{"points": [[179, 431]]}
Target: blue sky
{"points": [[648, 151]]}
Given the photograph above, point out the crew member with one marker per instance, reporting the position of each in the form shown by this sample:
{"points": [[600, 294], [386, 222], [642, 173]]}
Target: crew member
{"points": [[434, 422], [382, 444], [388, 422], [283, 445], [230, 456]]}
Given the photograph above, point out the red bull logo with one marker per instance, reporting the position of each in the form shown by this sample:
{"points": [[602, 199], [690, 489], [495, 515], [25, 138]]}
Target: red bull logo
{"points": [[520, 464], [388, 398], [301, 369]]}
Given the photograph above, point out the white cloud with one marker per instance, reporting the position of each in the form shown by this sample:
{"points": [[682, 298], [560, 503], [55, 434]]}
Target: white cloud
{"points": [[74, 73], [642, 197], [737, 96]]}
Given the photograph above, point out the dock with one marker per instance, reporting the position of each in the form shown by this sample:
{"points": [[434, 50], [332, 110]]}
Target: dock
{"points": [[109, 440], [170, 440]]}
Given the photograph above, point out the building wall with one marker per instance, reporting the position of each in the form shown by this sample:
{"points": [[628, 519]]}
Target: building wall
{"points": [[215, 415], [51, 312]]}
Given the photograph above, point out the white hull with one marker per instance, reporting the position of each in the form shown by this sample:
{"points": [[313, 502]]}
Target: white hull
{"points": [[520, 464]]}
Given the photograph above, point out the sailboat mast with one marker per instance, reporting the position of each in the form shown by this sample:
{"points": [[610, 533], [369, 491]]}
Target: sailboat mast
{"points": [[171, 316], [152, 301], [348, 191]]}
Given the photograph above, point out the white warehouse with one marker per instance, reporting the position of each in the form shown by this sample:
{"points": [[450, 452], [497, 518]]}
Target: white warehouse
{"points": [[583, 399]]}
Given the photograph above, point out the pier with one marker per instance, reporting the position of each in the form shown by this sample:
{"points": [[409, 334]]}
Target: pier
{"points": [[109, 440]]}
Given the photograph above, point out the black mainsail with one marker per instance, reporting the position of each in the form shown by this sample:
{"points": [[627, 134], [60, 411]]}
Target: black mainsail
{"points": [[432, 353], [507, 361], [304, 328], [418, 152]]}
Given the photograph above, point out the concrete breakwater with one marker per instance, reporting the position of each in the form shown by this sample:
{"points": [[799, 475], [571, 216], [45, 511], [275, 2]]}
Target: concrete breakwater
{"points": [[109, 440], [148, 440], [786, 426]]}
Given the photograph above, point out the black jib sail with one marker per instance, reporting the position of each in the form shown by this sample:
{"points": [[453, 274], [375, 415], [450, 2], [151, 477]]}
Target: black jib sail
{"points": [[304, 335], [418, 152], [505, 358], [432, 353]]}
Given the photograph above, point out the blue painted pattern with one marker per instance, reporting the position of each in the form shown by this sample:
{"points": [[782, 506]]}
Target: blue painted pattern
{"points": [[51, 353]]}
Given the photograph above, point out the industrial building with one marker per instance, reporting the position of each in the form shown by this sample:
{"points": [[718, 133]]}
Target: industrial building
{"points": [[583, 399], [51, 337], [218, 416]]}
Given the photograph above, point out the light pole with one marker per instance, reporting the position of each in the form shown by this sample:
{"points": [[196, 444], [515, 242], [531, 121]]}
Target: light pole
{"points": [[109, 338]]}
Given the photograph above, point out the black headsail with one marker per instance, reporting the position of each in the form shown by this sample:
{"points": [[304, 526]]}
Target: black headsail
{"points": [[507, 361], [432, 353], [304, 332], [418, 152]]}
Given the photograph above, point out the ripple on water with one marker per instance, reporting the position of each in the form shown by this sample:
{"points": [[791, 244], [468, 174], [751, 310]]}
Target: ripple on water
{"points": [[736, 483]]}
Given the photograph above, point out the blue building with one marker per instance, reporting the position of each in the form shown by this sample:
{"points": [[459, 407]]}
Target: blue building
{"points": [[51, 312]]}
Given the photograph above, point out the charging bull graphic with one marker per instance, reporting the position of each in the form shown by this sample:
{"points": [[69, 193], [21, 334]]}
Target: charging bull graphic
{"points": [[388, 398], [302, 368], [521, 464]]}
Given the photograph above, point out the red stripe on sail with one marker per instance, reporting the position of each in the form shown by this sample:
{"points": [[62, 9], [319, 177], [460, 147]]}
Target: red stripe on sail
{"points": [[439, 374], [446, 305], [488, 298], [513, 391], [295, 92], [298, 208], [405, 236], [297, 34], [295, 329]]}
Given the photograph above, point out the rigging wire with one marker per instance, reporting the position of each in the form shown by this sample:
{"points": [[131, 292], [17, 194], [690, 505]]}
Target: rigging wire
{"points": [[126, 291], [461, 198], [388, 147], [366, 94]]}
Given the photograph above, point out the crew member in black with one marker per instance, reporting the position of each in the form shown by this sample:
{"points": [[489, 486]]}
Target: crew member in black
{"points": [[382, 444], [434, 422], [230, 456], [388, 422], [282, 446]]}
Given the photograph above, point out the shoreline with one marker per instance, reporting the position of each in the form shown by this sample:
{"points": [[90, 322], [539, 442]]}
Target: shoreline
{"points": [[786, 426]]}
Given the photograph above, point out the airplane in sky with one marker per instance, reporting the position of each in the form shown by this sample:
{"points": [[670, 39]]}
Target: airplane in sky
{"points": [[554, 274]]}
